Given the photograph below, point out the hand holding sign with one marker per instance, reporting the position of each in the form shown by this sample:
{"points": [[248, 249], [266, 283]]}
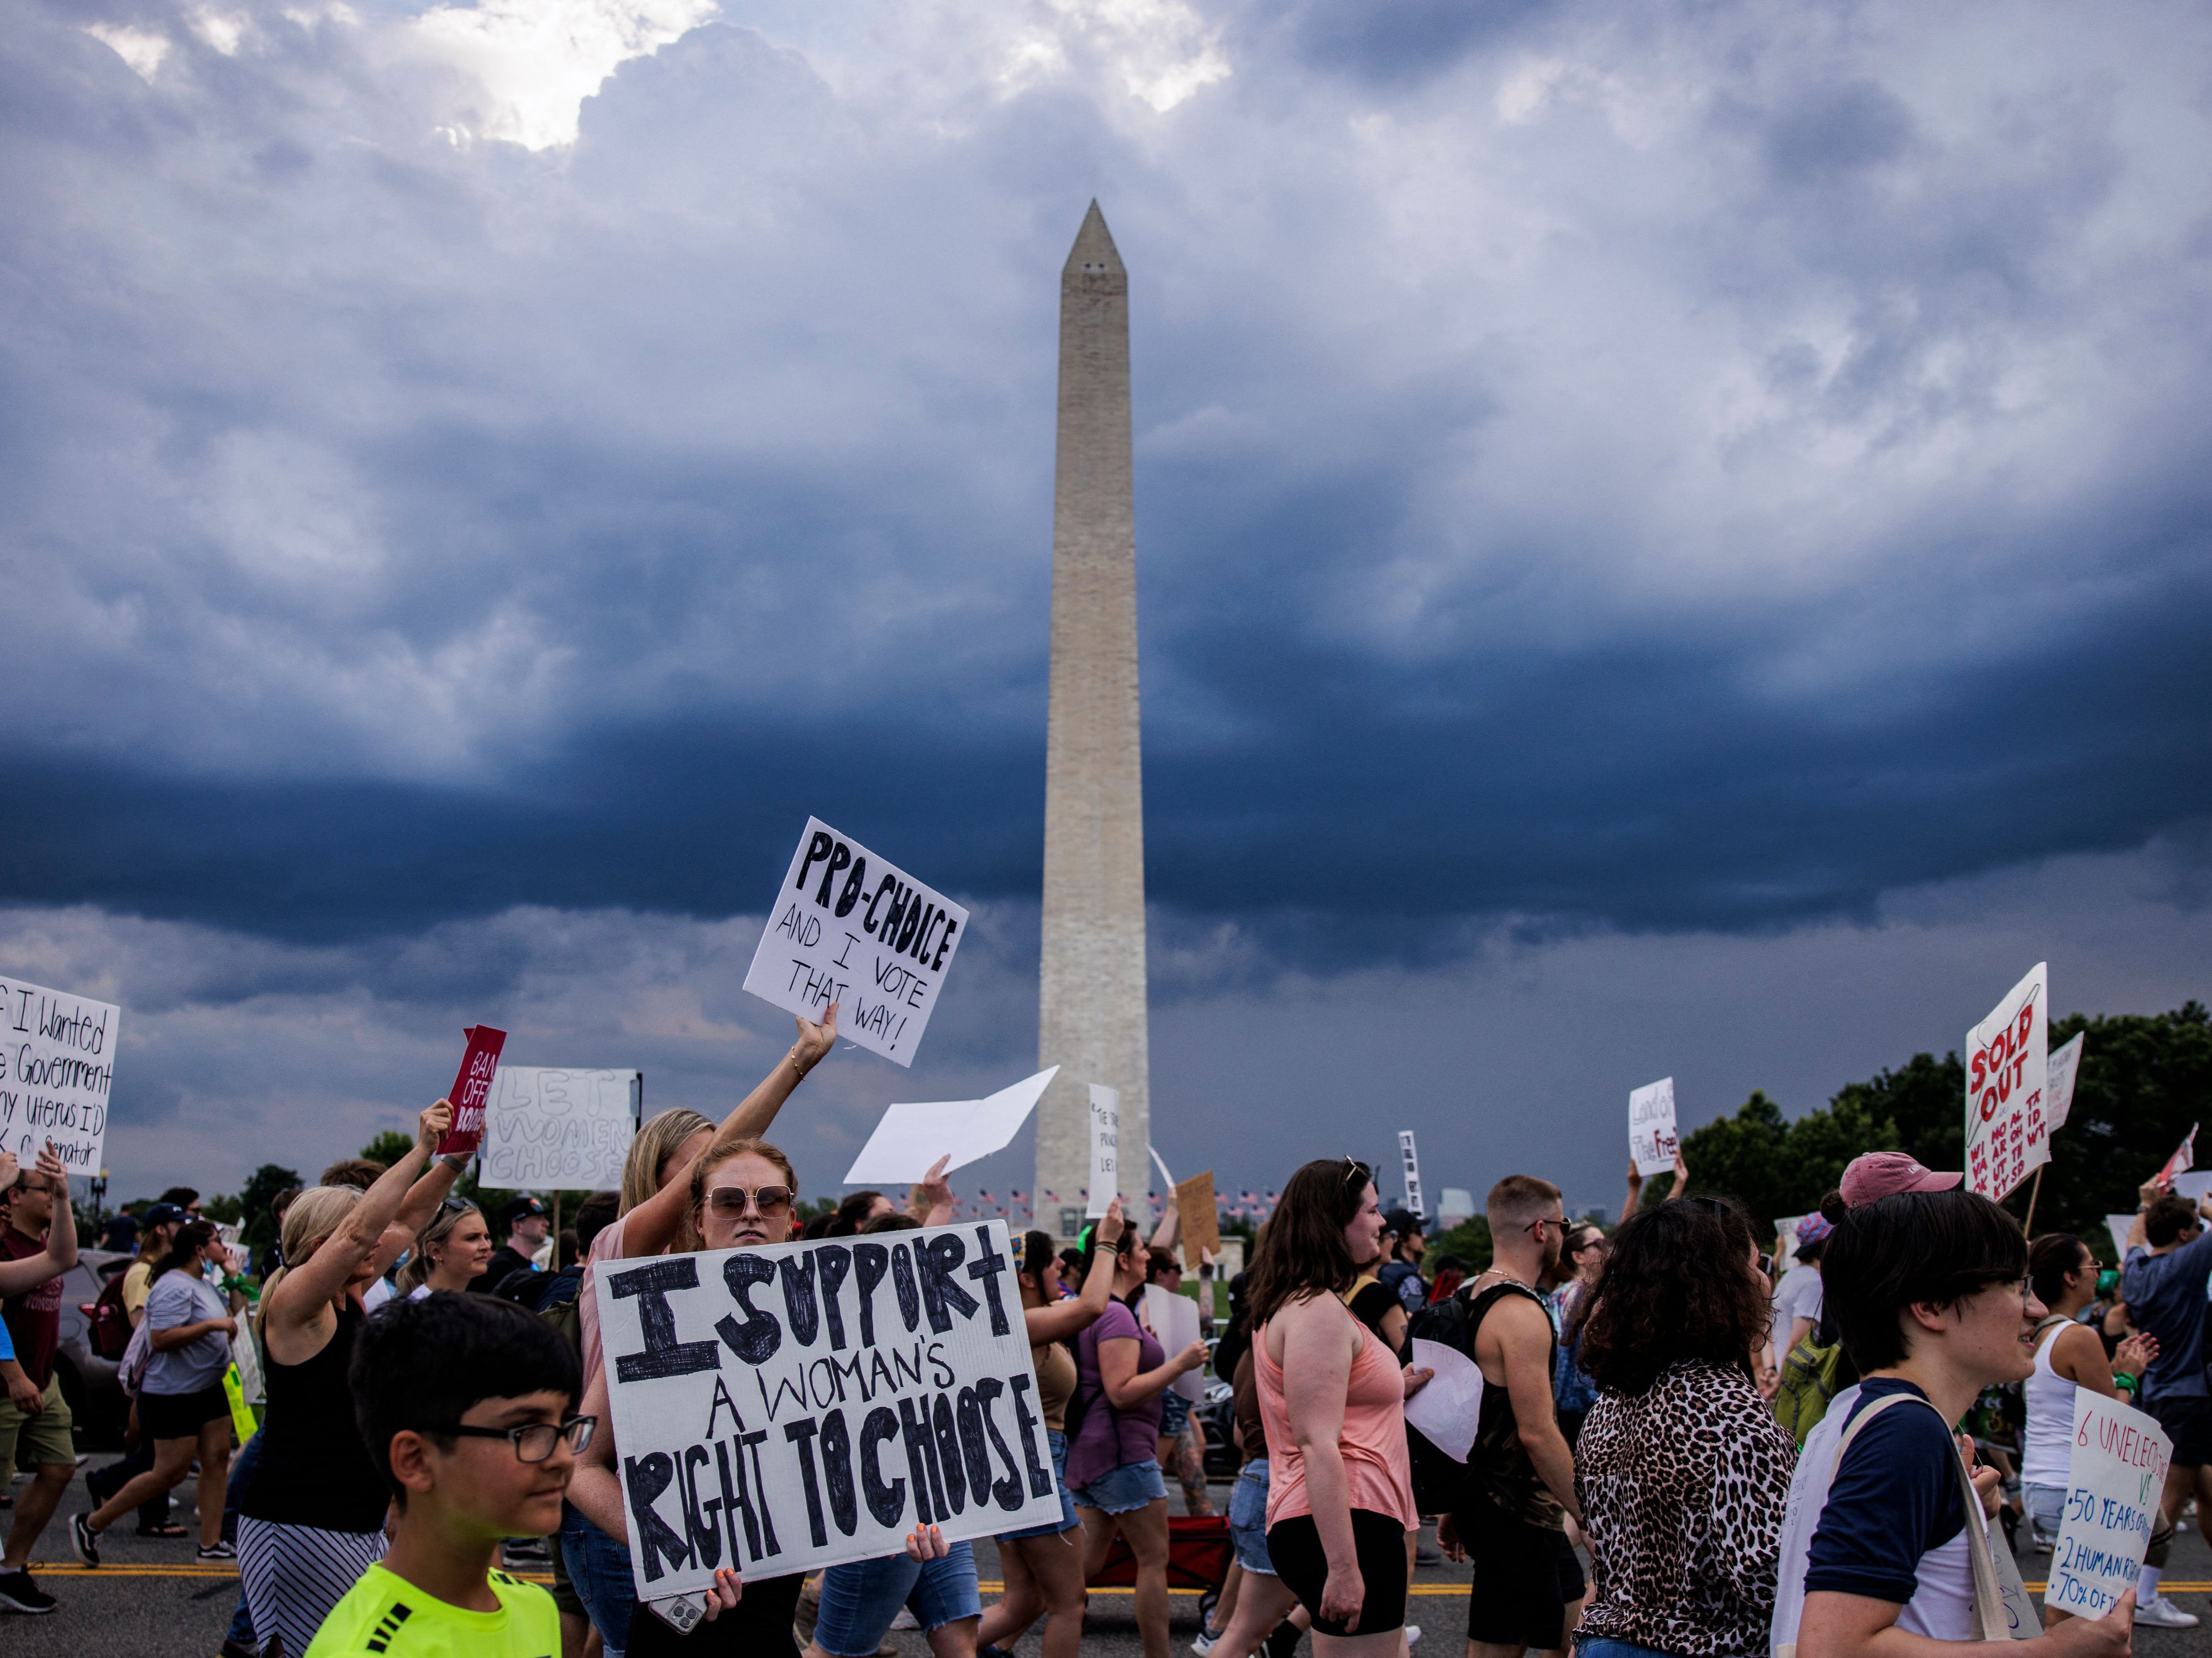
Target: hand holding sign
{"points": [[472, 1091], [431, 1127], [1651, 1137]]}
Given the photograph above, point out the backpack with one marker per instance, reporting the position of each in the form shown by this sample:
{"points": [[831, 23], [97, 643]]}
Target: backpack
{"points": [[1438, 1480], [107, 1324], [566, 1316], [1812, 1375]]}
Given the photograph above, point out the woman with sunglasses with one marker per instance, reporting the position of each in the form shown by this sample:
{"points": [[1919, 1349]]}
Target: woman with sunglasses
{"points": [[449, 1254], [311, 1516], [1043, 1566], [743, 1194], [1572, 1391]]}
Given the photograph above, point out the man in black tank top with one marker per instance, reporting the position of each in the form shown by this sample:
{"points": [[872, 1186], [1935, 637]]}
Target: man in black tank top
{"points": [[1520, 1476]]}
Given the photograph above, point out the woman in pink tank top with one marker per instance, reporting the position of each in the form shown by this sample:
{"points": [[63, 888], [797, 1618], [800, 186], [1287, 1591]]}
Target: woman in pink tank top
{"points": [[1333, 1401]]}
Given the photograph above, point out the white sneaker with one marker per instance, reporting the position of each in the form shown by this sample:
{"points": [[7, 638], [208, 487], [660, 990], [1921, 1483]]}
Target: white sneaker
{"points": [[2161, 1614], [1205, 1642], [906, 1620], [1413, 1633]]}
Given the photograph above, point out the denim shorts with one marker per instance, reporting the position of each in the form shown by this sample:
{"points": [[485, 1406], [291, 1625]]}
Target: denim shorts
{"points": [[599, 1570], [1051, 1528], [1604, 1648], [2046, 1506], [1247, 1517], [1174, 1414], [1126, 1490], [860, 1598]]}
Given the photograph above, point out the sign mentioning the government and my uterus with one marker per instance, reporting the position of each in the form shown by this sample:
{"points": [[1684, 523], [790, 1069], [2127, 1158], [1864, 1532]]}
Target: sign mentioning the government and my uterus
{"points": [[788, 1407], [56, 1067], [851, 927]]}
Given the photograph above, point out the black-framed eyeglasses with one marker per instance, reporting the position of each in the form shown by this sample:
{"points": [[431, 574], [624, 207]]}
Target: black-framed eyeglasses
{"points": [[455, 1206], [1538, 1225], [534, 1443]]}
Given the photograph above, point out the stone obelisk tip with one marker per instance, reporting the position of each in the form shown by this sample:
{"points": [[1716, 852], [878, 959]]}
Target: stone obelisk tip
{"points": [[1094, 253]]}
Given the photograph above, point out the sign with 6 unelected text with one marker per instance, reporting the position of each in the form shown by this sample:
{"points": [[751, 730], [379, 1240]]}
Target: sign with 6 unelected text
{"points": [[57, 1068], [2115, 1473], [787, 1408], [850, 927]]}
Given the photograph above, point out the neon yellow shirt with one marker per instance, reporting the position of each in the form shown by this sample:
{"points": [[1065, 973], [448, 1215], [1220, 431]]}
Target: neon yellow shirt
{"points": [[386, 1614]]}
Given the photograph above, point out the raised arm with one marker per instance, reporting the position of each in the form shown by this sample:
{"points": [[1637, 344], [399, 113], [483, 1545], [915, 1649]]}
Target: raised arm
{"points": [[653, 1226], [929, 1200], [416, 1210], [1635, 1190], [19, 1277], [305, 1289], [1171, 1226], [1069, 1317]]}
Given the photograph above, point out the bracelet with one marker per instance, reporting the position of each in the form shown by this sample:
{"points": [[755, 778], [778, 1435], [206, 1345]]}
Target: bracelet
{"points": [[2125, 1383], [798, 1069]]}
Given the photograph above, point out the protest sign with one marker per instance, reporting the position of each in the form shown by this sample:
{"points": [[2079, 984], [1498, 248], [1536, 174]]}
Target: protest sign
{"points": [[2007, 1061], [1785, 1242], [472, 1091], [1200, 1214], [1105, 1148], [2065, 1063], [1411, 1170], [784, 1408], [1449, 1404], [1651, 1137], [1173, 1320], [849, 926], [911, 1138], [57, 1067], [547, 1129], [2119, 1226], [2114, 1475]]}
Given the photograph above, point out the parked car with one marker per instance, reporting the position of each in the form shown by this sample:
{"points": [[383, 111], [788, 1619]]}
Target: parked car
{"points": [[89, 1384]]}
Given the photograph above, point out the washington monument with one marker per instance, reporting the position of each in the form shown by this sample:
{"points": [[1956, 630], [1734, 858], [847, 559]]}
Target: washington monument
{"points": [[1091, 994]]}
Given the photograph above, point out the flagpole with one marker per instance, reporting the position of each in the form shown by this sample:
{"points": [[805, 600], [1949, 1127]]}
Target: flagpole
{"points": [[2034, 1193]]}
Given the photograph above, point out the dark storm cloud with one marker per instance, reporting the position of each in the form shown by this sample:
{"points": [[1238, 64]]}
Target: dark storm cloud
{"points": [[1702, 474]]}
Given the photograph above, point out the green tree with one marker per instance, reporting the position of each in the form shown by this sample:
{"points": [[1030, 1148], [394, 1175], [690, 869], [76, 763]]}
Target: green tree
{"points": [[1469, 1241], [253, 1203], [388, 1147]]}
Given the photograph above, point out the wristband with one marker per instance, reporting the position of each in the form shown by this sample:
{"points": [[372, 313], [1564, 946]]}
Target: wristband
{"points": [[2125, 1382]]}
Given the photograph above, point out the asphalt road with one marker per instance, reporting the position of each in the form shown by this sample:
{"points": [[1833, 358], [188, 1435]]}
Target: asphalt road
{"points": [[152, 1599]]}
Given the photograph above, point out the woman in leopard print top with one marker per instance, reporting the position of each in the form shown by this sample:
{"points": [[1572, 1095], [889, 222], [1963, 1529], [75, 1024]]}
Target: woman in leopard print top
{"points": [[1682, 1470]]}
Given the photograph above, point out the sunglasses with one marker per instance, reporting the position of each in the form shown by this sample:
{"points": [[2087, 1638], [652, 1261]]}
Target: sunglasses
{"points": [[535, 1442], [771, 1202]]}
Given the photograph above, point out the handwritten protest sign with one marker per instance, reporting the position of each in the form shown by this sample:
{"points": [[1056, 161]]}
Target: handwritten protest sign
{"points": [[1651, 1139], [2065, 1064], [57, 1067], [2114, 1475], [911, 1138], [1411, 1163], [851, 927], [471, 1091], [1105, 1148], [556, 1130], [779, 1409], [1173, 1320], [2007, 1062]]}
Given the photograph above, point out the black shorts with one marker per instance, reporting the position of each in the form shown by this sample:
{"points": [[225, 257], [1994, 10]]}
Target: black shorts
{"points": [[1525, 1578], [181, 1416], [2187, 1419], [1294, 1547]]}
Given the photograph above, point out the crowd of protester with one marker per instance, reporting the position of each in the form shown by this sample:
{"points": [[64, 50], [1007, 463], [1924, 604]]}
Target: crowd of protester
{"points": [[1750, 1461]]}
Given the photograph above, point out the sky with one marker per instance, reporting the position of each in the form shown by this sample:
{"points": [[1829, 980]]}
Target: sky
{"points": [[1669, 542]]}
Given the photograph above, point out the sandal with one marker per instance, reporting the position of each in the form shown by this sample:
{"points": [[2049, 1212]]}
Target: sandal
{"points": [[171, 1529]]}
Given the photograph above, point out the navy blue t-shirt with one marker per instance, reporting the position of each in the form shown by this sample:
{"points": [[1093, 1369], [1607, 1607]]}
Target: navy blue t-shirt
{"points": [[2165, 1297], [1894, 1499]]}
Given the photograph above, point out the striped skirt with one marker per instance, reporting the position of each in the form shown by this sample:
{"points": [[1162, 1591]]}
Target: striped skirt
{"points": [[293, 1575]]}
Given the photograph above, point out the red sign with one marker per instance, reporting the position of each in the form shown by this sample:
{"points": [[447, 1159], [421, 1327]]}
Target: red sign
{"points": [[472, 1091]]}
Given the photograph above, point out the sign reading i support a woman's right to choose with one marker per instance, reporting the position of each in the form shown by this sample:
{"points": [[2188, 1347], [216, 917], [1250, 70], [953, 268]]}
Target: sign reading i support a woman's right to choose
{"points": [[2114, 1478]]}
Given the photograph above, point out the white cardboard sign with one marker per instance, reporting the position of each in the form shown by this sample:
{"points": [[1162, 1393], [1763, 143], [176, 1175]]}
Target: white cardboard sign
{"points": [[1105, 1148], [1173, 1320], [2007, 1064], [785, 1408], [2065, 1063], [56, 1067], [1410, 1162], [2114, 1475], [911, 1138], [552, 1130], [851, 927], [1785, 1242], [1651, 1139], [2119, 1226]]}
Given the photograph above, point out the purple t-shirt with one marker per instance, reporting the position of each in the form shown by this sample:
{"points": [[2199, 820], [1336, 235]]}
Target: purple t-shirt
{"points": [[1109, 1438]]}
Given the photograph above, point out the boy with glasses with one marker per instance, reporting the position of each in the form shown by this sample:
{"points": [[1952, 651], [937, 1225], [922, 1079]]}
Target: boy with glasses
{"points": [[469, 1403]]}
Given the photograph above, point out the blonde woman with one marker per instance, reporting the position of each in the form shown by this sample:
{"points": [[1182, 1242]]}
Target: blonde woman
{"points": [[311, 1518], [449, 1253], [655, 1217]]}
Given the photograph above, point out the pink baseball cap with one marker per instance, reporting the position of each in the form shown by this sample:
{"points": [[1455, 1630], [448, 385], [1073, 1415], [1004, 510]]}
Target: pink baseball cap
{"points": [[1878, 1174]]}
